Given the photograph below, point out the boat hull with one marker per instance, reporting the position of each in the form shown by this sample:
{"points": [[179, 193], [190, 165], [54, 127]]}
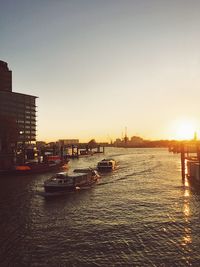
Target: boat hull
{"points": [[67, 188], [34, 169], [105, 169], [58, 189]]}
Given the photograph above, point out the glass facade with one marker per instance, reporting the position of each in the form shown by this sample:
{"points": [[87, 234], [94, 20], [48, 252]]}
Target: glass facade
{"points": [[22, 109], [17, 107]]}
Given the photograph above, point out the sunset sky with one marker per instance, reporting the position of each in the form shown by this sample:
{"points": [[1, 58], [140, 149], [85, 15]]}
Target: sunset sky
{"points": [[99, 66]]}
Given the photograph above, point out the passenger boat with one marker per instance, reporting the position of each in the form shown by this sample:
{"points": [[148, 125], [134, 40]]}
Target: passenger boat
{"points": [[64, 182], [106, 165]]}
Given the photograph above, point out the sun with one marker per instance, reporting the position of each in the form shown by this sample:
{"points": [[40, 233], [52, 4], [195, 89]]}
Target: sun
{"points": [[184, 129]]}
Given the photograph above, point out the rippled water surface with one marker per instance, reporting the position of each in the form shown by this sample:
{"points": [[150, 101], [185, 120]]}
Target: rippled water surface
{"points": [[142, 214]]}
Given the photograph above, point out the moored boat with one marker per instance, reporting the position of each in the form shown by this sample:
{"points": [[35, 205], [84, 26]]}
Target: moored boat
{"points": [[106, 165], [65, 182], [53, 163], [193, 170]]}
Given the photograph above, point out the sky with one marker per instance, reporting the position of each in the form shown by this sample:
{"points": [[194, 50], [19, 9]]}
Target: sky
{"points": [[99, 67]]}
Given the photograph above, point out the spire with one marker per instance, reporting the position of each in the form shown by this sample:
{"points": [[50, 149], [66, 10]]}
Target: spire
{"points": [[195, 136]]}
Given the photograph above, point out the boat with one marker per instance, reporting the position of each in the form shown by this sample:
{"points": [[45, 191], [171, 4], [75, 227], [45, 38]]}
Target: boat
{"points": [[106, 165], [86, 153], [52, 163], [65, 182], [193, 169]]}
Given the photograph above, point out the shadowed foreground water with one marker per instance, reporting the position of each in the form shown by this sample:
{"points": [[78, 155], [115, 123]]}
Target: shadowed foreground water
{"points": [[140, 215]]}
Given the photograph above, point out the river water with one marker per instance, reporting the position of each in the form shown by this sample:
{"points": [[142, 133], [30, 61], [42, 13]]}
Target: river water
{"points": [[142, 214]]}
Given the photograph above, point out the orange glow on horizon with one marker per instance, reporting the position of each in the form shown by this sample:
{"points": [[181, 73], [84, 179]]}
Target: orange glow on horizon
{"points": [[184, 129]]}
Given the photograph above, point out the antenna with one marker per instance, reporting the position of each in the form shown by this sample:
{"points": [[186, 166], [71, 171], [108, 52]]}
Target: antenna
{"points": [[125, 137], [110, 139], [125, 132], [195, 136]]}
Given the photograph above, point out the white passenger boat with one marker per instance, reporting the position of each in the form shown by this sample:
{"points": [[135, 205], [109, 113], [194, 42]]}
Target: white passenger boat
{"points": [[106, 165], [63, 182]]}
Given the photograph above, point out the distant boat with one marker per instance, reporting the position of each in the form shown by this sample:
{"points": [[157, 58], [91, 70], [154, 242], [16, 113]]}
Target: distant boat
{"points": [[64, 182], [106, 165], [86, 153]]}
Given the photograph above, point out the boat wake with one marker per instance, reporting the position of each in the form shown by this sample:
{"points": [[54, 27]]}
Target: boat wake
{"points": [[45, 194], [126, 176]]}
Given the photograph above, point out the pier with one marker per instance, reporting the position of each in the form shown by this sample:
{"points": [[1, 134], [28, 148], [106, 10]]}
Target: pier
{"points": [[190, 158], [82, 149]]}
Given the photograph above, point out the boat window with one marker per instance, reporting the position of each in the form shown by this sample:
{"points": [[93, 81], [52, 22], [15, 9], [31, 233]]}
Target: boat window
{"points": [[69, 181], [81, 178], [61, 176]]}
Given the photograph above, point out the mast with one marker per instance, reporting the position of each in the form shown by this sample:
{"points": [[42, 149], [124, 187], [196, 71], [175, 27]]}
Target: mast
{"points": [[125, 137]]}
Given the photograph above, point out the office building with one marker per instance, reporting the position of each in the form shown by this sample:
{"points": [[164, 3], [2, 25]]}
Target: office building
{"points": [[16, 108]]}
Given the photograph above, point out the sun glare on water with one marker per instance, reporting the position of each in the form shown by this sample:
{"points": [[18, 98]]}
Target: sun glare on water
{"points": [[184, 129]]}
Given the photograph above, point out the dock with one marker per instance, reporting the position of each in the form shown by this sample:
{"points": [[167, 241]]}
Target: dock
{"points": [[190, 159], [82, 149]]}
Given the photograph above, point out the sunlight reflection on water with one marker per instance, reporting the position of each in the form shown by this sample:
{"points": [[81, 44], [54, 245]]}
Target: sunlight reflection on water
{"points": [[140, 215]]}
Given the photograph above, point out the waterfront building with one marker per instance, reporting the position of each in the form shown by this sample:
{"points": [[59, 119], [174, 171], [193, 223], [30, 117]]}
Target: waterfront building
{"points": [[17, 114], [40, 144], [5, 77], [136, 140]]}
